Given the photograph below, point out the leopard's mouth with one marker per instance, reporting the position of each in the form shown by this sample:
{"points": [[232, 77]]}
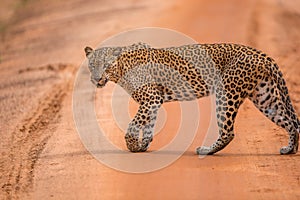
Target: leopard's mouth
{"points": [[100, 83]]}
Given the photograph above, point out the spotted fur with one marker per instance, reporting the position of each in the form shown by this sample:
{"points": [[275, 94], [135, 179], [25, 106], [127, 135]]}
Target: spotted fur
{"points": [[153, 76]]}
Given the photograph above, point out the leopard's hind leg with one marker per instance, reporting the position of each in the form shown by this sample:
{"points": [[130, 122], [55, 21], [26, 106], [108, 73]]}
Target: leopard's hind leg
{"points": [[227, 105], [272, 99]]}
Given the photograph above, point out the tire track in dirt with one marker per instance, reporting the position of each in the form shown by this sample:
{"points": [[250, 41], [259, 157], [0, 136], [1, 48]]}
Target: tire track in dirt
{"points": [[30, 137]]}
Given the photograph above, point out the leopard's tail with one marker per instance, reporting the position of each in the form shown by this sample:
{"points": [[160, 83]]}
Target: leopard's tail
{"points": [[280, 83], [298, 126]]}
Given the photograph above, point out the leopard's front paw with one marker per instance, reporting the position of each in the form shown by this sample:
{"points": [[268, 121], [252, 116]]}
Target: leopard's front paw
{"points": [[145, 143], [134, 145], [204, 151]]}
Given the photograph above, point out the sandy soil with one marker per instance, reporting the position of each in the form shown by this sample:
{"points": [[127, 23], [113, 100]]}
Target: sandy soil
{"points": [[41, 49]]}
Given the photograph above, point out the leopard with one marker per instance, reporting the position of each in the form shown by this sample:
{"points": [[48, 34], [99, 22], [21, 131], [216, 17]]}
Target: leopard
{"points": [[232, 72]]}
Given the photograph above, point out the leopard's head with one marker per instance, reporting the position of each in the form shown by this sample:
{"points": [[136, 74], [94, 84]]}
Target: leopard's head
{"points": [[99, 61]]}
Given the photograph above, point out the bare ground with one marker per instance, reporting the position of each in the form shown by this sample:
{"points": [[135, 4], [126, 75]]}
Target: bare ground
{"points": [[41, 154]]}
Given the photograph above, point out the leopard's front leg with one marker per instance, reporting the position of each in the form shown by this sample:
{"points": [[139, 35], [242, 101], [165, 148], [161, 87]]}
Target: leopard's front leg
{"points": [[144, 120], [132, 136], [133, 141]]}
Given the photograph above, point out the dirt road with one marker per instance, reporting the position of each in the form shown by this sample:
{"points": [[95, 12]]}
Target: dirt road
{"points": [[42, 156]]}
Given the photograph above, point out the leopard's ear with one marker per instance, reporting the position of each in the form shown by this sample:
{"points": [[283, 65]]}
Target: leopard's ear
{"points": [[88, 51]]}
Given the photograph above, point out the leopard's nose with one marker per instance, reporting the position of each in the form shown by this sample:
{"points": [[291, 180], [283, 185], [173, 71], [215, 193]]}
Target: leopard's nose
{"points": [[98, 79], [95, 80]]}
